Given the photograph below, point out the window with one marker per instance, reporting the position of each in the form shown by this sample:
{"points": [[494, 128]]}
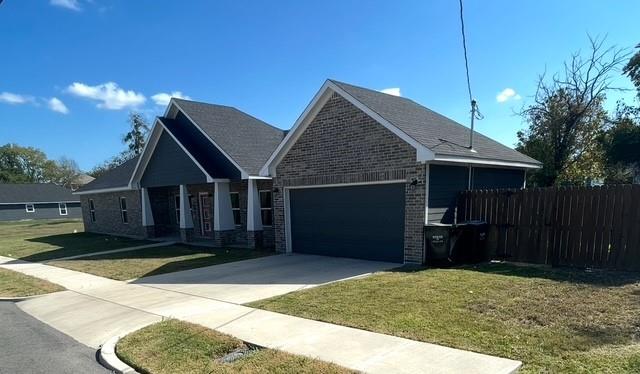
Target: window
{"points": [[92, 210], [123, 210], [30, 208], [266, 207], [235, 207], [62, 208]]}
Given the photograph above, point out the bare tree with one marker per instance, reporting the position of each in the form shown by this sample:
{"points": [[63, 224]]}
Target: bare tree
{"points": [[567, 116]]}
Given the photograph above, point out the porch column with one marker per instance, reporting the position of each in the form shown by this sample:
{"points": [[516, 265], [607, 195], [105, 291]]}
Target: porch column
{"points": [[254, 215], [147, 214], [222, 212], [186, 221]]}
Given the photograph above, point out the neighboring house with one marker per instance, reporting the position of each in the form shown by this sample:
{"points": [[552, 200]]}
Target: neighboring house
{"points": [[23, 201], [80, 181], [359, 175]]}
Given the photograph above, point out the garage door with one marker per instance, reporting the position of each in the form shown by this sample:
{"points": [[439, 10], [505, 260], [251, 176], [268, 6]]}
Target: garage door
{"points": [[365, 222]]}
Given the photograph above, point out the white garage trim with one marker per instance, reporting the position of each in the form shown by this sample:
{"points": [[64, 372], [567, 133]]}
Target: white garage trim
{"points": [[287, 203]]}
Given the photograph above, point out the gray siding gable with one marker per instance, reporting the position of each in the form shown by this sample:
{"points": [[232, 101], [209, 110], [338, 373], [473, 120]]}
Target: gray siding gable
{"points": [[170, 166]]}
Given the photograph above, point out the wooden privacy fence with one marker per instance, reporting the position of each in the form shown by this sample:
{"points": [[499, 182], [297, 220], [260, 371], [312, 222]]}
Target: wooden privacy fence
{"points": [[562, 226]]}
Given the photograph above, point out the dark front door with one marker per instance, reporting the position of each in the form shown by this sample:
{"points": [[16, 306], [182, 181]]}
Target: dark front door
{"points": [[365, 222]]}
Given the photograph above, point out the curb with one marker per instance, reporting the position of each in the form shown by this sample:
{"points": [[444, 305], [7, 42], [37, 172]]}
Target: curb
{"points": [[108, 358], [16, 299]]}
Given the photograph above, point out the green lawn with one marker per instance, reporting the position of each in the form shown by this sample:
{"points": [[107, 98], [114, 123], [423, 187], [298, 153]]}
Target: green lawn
{"points": [[552, 320], [49, 239], [14, 284], [156, 260], [179, 347]]}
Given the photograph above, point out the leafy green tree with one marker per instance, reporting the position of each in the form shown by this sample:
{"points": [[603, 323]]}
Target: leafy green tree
{"points": [[621, 145], [63, 172], [136, 137], [567, 118], [134, 140], [632, 69], [24, 165]]}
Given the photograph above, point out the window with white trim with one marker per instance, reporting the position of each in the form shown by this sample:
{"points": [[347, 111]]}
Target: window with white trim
{"points": [[266, 207], [92, 210], [123, 210], [62, 208], [30, 208], [235, 207]]}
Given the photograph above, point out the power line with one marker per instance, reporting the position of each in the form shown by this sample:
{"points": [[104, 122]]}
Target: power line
{"points": [[464, 46], [475, 113]]}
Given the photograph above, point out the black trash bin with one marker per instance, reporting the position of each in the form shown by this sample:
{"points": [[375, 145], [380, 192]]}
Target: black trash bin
{"points": [[438, 244], [471, 246]]}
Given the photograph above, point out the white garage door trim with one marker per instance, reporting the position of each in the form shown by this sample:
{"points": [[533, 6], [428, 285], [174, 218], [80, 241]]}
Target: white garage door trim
{"points": [[287, 205]]}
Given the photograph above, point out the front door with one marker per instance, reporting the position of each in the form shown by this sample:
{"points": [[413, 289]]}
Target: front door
{"points": [[205, 214]]}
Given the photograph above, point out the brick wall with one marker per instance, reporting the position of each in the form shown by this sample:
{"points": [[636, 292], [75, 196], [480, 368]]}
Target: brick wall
{"points": [[344, 145], [108, 216]]}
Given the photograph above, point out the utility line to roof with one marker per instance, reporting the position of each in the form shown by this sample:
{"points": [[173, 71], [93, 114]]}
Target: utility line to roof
{"points": [[474, 106]]}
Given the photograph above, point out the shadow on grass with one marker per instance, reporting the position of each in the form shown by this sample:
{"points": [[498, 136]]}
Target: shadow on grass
{"points": [[78, 243], [178, 257], [601, 278]]}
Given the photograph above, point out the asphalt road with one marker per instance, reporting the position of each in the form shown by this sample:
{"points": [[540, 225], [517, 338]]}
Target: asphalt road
{"points": [[30, 346]]}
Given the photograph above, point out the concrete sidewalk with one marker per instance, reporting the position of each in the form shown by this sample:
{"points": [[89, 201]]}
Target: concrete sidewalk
{"points": [[96, 308]]}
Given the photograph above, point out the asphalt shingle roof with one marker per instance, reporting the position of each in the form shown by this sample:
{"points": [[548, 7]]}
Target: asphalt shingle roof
{"points": [[442, 135], [246, 139], [34, 193], [114, 178]]}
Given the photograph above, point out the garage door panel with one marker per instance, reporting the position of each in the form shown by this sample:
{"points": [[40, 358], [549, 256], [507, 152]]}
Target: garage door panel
{"points": [[355, 221]]}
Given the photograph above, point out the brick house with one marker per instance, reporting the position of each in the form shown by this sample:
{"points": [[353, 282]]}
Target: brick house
{"points": [[359, 175]]}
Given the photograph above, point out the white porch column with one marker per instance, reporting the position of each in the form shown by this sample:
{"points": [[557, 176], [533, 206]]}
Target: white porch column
{"points": [[254, 217], [186, 221], [222, 212], [147, 214]]}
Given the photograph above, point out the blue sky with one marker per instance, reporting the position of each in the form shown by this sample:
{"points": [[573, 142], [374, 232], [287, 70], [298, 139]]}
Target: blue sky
{"points": [[71, 70]]}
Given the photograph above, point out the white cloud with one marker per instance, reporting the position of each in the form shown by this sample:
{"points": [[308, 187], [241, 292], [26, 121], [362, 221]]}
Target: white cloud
{"points": [[57, 105], [68, 4], [395, 91], [15, 99], [507, 94], [109, 95], [162, 98]]}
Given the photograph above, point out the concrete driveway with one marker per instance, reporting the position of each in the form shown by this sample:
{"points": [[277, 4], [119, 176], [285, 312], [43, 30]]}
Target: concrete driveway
{"points": [[245, 281]]}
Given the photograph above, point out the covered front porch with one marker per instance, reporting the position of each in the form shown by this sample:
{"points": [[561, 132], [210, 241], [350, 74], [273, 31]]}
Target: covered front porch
{"points": [[223, 212]]}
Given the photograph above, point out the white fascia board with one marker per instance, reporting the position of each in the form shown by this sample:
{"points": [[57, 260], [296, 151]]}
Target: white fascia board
{"points": [[494, 163], [104, 190], [145, 156], [319, 100], [184, 149], [243, 174]]}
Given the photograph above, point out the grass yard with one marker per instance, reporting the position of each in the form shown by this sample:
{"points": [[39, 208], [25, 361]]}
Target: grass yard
{"points": [[14, 284], [156, 260], [553, 320], [48, 239], [179, 347]]}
